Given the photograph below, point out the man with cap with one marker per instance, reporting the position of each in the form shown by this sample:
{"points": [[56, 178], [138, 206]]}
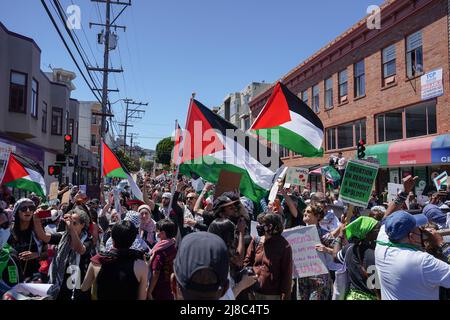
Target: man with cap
{"points": [[433, 212], [404, 270], [200, 268]]}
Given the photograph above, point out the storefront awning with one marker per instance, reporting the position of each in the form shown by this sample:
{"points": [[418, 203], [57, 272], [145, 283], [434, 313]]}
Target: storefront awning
{"points": [[423, 151]]}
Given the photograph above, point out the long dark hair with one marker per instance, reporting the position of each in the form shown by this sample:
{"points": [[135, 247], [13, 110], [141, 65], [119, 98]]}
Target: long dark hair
{"points": [[224, 228], [16, 228]]}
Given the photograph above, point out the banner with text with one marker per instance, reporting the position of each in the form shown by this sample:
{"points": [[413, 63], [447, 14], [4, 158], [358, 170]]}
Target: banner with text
{"points": [[358, 182], [305, 258]]}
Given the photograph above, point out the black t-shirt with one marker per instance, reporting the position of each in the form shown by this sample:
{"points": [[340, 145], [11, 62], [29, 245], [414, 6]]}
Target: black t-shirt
{"points": [[358, 258], [21, 242]]}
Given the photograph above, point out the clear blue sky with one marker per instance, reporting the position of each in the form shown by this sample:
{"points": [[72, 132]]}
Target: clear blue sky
{"points": [[173, 48]]}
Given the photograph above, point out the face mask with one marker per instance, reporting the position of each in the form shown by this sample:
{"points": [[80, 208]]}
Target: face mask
{"points": [[4, 236]]}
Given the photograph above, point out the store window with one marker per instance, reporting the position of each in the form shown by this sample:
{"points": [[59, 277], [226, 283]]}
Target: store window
{"points": [[414, 55]]}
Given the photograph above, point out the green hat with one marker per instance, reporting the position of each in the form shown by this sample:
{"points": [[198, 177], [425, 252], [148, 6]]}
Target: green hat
{"points": [[360, 227]]}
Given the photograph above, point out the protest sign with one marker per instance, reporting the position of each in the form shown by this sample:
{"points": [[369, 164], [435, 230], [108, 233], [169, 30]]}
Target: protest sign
{"points": [[393, 191], [274, 191], [83, 188], [53, 193], [116, 195], [66, 197], [297, 176], [441, 180], [307, 261], [253, 231], [432, 85], [228, 181], [358, 182]]}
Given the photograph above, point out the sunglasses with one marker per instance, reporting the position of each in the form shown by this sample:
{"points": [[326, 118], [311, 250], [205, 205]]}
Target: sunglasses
{"points": [[25, 208]]}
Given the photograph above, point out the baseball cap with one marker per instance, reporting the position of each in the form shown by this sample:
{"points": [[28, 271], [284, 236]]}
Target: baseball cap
{"points": [[401, 223], [167, 195], [223, 201], [201, 251]]}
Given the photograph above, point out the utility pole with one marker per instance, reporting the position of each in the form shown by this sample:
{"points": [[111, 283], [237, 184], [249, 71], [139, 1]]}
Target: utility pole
{"points": [[106, 69], [131, 114]]}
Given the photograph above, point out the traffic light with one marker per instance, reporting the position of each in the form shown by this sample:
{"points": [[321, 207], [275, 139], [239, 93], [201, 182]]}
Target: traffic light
{"points": [[361, 149], [67, 144], [54, 170]]}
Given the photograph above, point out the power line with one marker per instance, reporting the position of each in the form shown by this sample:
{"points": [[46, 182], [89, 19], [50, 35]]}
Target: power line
{"points": [[68, 49]]}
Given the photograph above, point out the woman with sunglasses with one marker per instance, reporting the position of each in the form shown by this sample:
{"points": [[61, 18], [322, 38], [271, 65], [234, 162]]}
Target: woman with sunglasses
{"points": [[24, 240], [10, 272], [73, 254]]}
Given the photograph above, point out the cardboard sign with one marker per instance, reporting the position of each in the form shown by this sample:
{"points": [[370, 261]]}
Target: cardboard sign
{"points": [[307, 261], [297, 176], [228, 181], [66, 197], [393, 191], [53, 193], [274, 191], [358, 182], [441, 180]]}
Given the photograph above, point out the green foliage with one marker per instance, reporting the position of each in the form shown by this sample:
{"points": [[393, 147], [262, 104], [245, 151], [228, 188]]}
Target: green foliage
{"points": [[132, 165], [147, 165], [164, 151]]}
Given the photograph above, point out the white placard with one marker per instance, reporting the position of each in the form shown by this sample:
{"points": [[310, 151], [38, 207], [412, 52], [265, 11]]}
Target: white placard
{"points": [[297, 176], [432, 85]]}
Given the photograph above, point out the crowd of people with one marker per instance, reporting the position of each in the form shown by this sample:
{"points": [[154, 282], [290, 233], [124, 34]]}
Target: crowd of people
{"points": [[180, 243]]}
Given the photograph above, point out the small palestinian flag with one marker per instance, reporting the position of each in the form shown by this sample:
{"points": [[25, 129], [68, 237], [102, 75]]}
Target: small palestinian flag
{"points": [[112, 168], [211, 144], [287, 117], [21, 174], [441, 180]]}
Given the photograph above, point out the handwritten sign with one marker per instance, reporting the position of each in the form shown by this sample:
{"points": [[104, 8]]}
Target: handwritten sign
{"points": [[393, 190], [53, 194], [358, 182], [297, 176], [307, 261]]}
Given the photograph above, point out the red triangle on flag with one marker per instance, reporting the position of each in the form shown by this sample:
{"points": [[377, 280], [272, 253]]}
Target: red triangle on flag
{"points": [[275, 112], [14, 170], [196, 143]]}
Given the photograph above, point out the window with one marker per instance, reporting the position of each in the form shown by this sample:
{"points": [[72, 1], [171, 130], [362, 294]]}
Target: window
{"points": [[343, 83], [93, 140], [57, 118], [360, 79], [71, 130], [360, 130], [414, 55], [331, 139], [345, 136], [18, 92], [305, 97], [34, 98], [315, 98], [247, 123], [420, 120], [329, 93], [389, 64], [94, 119], [390, 126], [44, 117]]}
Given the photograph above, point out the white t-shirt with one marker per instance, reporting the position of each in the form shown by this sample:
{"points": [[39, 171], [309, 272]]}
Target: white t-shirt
{"points": [[406, 274]]}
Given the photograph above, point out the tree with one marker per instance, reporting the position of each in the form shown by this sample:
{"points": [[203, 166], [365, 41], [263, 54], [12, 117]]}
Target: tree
{"points": [[147, 165], [164, 151], [131, 165]]}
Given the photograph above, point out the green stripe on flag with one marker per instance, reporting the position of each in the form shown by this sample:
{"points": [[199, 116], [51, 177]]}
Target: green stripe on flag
{"points": [[211, 173], [117, 173], [291, 141], [28, 185]]}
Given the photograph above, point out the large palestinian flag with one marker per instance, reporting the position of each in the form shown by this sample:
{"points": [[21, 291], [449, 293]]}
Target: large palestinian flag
{"points": [[287, 118], [22, 174], [112, 168], [211, 144]]}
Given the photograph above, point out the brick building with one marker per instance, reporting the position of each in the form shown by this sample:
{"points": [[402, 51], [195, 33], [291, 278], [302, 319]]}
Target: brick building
{"points": [[367, 84]]}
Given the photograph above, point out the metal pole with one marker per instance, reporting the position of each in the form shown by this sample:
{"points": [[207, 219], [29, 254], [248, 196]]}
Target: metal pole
{"points": [[105, 84], [126, 127]]}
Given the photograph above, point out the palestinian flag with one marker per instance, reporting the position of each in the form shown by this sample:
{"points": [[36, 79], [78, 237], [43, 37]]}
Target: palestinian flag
{"points": [[211, 144], [22, 174], [112, 168], [287, 118]]}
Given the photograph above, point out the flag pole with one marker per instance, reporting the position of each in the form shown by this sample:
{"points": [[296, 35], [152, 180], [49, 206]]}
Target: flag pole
{"points": [[5, 165], [180, 153]]}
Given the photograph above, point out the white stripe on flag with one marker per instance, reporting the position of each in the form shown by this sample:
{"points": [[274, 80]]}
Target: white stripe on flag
{"points": [[304, 128]]}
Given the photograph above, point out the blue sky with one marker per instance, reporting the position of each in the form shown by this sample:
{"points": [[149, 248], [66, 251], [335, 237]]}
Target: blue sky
{"points": [[173, 48]]}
